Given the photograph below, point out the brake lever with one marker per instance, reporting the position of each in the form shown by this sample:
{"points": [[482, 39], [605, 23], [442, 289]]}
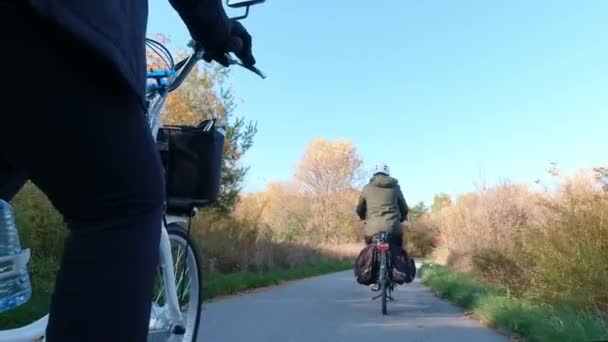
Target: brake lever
{"points": [[234, 61], [231, 60], [253, 69]]}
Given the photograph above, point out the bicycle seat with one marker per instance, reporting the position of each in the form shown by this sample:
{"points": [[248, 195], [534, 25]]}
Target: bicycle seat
{"points": [[381, 237]]}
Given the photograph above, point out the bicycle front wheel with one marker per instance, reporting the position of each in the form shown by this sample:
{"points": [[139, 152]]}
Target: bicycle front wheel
{"points": [[188, 285]]}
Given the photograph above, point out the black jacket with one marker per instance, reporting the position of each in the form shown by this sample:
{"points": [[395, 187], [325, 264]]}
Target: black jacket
{"points": [[117, 28]]}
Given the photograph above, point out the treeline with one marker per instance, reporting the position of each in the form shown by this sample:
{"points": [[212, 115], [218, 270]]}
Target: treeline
{"points": [[317, 204]]}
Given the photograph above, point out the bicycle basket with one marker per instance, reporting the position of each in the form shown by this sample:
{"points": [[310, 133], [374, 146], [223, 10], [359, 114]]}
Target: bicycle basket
{"points": [[192, 158]]}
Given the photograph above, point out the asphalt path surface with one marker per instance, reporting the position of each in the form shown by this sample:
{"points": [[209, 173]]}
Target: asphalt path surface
{"points": [[335, 308]]}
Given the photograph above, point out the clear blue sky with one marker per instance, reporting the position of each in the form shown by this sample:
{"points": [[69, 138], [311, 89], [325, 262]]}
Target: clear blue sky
{"points": [[445, 92]]}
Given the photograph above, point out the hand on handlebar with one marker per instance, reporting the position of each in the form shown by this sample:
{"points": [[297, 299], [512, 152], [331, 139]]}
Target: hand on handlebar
{"points": [[237, 42], [217, 34]]}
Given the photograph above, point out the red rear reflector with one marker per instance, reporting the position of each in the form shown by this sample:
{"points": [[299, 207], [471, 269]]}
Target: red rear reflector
{"points": [[383, 246]]}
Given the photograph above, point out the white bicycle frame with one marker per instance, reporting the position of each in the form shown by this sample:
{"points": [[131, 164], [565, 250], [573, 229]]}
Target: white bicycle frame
{"points": [[37, 330]]}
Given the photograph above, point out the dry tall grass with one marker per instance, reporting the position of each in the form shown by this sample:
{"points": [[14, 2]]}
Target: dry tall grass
{"points": [[228, 244], [551, 244], [289, 214]]}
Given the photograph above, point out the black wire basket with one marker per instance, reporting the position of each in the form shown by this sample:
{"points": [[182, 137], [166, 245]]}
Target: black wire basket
{"points": [[192, 159]]}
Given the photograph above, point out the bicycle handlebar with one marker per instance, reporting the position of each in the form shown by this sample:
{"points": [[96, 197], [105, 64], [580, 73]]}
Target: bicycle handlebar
{"points": [[183, 68]]}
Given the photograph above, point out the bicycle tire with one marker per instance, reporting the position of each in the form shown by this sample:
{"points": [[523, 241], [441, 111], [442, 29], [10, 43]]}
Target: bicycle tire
{"points": [[384, 282], [384, 295], [178, 234]]}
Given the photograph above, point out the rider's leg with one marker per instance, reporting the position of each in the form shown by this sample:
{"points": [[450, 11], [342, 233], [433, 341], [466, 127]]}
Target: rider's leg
{"points": [[83, 139]]}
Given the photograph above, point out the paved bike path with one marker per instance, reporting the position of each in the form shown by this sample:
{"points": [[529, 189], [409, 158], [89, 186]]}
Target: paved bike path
{"points": [[334, 308]]}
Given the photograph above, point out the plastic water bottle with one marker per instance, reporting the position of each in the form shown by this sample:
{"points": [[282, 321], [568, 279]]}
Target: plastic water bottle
{"points": [[15, 285]]}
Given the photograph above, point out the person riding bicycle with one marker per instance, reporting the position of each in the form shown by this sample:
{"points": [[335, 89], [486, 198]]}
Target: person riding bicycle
{"points": [[383, 206], [80, 135]]}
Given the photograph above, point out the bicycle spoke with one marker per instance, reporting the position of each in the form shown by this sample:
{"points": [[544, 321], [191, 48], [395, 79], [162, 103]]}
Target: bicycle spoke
{"points": [[181, 269], [178, 258], [162, 287], [160, 295], [179, 283], [184, 287], [186, 293]]}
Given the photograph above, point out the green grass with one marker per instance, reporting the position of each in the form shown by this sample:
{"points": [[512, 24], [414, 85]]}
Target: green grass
{"points": [[536, 321], [34, 309], [213, 285], [225, 284]]}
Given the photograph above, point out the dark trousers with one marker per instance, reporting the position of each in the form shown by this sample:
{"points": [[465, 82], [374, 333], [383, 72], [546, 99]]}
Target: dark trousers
{"points": [[70, 124]]}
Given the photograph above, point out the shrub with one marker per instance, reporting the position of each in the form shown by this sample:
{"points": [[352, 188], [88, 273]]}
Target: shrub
{"points": [[551, 245]]}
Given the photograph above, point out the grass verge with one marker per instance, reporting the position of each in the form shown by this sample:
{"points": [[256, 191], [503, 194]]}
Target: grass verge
{"points": [[530, 319], [214, 285], [34, 309]]}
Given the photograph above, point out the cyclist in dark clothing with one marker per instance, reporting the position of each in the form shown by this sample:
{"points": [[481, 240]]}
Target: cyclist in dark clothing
{"points": [[79, 133], [383, 206]]}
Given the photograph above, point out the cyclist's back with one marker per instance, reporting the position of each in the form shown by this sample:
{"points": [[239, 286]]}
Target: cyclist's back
{"points": [[116, 29], [382, 204]]}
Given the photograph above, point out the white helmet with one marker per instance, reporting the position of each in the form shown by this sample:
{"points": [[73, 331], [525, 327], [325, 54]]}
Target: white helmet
{"points": [[382, 168]]}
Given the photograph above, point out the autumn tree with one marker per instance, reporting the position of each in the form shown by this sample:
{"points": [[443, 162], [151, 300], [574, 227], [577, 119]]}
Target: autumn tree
{"points": [[280, 207], [316, 205], [204, 95], [327, 174]]}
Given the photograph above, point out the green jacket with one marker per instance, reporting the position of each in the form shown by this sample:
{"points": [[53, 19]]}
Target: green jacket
{"points": [[382, 205]]}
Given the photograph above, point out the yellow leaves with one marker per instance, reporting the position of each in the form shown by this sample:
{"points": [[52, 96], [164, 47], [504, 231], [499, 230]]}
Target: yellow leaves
{"points": [[329, 167], [194, 101], [317, 204], [178, 111]]}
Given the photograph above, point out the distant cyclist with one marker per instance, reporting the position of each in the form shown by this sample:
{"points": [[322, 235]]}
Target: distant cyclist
{"points": [[383, 206], [72, 122]]}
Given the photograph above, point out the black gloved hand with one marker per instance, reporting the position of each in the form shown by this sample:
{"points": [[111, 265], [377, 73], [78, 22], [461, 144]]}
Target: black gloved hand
{"points": [[214, 31], [238, 41]]}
